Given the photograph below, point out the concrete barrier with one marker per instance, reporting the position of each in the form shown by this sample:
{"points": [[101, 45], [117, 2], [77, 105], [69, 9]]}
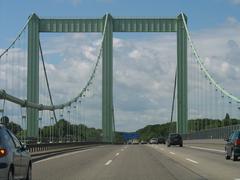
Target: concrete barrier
{"points": [[205, 141], [216, 145]]}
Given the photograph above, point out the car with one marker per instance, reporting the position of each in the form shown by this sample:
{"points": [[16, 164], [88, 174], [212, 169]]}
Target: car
{"points": [[129, 142], [135, 141], [143, 142], [15, 160], [232, 147], [153, 141], [174, 139], [161, 140]]}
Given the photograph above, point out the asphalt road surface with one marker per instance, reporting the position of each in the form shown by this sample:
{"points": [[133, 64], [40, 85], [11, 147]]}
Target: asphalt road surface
{"points": [[138, 162]]}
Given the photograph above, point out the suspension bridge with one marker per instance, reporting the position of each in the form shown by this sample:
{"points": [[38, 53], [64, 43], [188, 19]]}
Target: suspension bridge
{"points": [[199, 104]]}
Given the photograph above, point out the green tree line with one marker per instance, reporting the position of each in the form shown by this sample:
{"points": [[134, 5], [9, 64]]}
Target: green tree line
{"points": [[157, 130], [65, 131]]}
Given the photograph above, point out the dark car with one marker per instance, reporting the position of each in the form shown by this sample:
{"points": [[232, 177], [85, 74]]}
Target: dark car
{"points": [[161, 140], [232, 147], [129, 142], [174, 139], [15, 160]]}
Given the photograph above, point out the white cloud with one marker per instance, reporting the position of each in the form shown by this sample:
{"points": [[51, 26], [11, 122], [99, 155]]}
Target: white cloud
{"points": [[143, 72], [135, 54], [117, 43], [232, 20], [237, 2]]}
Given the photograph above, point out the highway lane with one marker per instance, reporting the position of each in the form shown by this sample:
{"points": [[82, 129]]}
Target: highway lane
{"points": [[209, 162], [137, 162], [78, 165], [140, 162]]}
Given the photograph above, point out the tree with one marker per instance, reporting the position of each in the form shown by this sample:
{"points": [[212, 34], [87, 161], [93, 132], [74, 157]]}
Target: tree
{"points": [[156, 130], [15, 128], [227, 117], [5, 120], [227, 120]]}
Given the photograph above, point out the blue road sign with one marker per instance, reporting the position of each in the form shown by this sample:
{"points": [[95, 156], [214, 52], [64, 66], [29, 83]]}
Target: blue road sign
{"points": [[128, 136]]}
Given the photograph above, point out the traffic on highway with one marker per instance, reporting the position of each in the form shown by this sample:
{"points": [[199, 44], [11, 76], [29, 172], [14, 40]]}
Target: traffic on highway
{"points": [[126, 162], [119, 90], [169, 158]]}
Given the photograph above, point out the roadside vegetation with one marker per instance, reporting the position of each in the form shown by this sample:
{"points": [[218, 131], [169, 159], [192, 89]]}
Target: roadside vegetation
{"points": [[65, 131]]}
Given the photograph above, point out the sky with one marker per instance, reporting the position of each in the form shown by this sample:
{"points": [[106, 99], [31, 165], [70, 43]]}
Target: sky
{"points": [[144, 64]]}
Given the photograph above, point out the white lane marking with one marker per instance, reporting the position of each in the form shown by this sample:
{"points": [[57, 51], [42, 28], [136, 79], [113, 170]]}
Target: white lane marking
{"points": [[125, 147], [109, 162], [62, 155], [195, 162], [117, 154], [122, 149], [171, 152], [237, 179], [208, 149]]}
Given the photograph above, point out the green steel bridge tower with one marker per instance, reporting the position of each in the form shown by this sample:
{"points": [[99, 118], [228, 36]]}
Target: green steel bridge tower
{"points": [[38, 25]]}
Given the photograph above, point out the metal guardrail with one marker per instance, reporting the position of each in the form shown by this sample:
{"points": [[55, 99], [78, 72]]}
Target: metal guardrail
{"points": [[45, 150], [54, 146], [215, 133]]}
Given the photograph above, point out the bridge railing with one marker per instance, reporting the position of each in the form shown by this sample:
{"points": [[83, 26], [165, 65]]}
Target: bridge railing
{"points": [[45, 150], [54, 146], [215, 133]]}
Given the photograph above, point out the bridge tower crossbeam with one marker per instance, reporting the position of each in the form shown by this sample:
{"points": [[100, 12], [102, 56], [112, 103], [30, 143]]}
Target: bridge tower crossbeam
{"points": [[40, 25]]}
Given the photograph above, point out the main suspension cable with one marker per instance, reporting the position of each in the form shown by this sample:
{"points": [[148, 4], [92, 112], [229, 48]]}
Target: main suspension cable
{"points": [[209, 77], [18, 36], [26, 103]]}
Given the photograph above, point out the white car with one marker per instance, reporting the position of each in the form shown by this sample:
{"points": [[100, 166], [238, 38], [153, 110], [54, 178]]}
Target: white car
{"points": [[153, 141], [135, 141], [15, 160]]}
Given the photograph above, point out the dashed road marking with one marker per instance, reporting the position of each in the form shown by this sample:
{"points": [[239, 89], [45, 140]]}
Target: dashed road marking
{"points": [[109, 162], [117, 154], [171, 152], [195, 162]]}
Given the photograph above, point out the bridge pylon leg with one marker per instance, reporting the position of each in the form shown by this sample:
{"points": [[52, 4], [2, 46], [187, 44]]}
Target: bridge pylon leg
{"points": [[182, 94], [33, 75], [107, 81]]}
